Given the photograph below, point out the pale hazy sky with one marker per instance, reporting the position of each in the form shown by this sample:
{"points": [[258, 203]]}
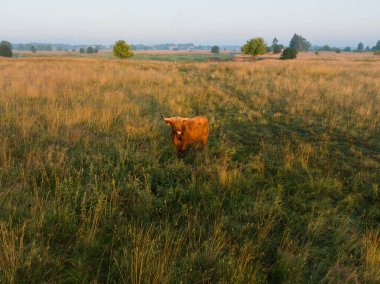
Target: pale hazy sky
{"points": [[333, 22]]}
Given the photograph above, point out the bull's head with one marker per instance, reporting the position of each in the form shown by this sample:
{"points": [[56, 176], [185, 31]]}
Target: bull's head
{"points": [[176, 123]]}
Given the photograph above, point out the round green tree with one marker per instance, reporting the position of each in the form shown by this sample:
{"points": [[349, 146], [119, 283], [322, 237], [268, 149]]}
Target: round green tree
{"points": [[122, 50], [5, 50], [90, 50], [215, 49], [254, 47]]}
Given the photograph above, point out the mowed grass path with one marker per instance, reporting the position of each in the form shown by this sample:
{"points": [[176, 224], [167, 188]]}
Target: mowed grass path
{"points": [[91, 189]]}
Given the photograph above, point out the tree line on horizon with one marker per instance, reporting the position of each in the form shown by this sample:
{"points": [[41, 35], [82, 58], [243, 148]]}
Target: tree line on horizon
{"points": [[255, 46]]}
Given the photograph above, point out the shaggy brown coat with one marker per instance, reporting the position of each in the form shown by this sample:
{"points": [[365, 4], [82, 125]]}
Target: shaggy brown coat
{"points": [[188, 131]]}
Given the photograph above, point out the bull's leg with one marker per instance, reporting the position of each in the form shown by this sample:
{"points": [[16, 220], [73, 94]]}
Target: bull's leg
{"points": [[196, 146], [183, 150], [181, 154]]}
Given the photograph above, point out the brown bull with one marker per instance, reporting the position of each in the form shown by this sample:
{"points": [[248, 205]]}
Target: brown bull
{"points": [[188, 131]]}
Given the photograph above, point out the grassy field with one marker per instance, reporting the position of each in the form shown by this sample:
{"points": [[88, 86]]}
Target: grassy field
{"points": [[91, 190]]}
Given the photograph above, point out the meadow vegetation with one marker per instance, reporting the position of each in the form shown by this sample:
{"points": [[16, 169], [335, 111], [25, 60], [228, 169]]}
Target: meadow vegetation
{"points": [[91, 190], [164, 56]]}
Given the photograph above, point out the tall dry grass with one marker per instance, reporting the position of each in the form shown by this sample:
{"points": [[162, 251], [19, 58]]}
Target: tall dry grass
{"points": [[91, 190]]}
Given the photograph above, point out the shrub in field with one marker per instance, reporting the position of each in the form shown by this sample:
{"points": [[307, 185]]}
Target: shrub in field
{"points": [[338, 50], [81, 50], [215, 49], [5, 50], [289, 53], [254, 47], [122, 50], [377, 53]]}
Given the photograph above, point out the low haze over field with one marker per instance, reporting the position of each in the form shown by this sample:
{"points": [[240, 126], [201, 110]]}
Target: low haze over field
{"points": [[338, 23]]}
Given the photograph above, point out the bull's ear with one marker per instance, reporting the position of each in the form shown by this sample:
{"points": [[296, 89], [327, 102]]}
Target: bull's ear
{"points": [[168, 121]]}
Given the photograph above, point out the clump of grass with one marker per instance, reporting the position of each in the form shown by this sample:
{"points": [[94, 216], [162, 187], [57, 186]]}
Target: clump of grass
{"points": [[150, 256], [12, 254], [372, 256]]}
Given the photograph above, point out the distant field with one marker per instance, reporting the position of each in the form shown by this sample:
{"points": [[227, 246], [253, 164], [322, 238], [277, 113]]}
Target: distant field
{"points": [[199, 56], [91, 190], [196, 56]]}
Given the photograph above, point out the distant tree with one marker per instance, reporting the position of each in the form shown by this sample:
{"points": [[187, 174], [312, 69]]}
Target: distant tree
{"points": [[377, 46], [325, 48], [96, 50], [360, 47], [7, 43], [5, 50], [81, 50], [90, 50], [338, 50], [276, 48], [215, 49], [255, 46], [289, 53], [367, 48], [347, 49], [33, 49], [299, 43], [274, 45], [122, 50]]}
